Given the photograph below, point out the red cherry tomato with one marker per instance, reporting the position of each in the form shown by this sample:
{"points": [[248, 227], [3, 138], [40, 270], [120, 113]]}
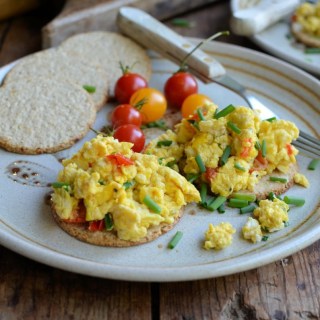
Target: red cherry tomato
{"points": [[131, 133], [125, 114], [178, 87], [127, 85]]}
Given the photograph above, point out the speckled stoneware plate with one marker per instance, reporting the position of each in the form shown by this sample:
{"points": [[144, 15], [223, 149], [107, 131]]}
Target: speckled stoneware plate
{"points": [[277, 40], [27, 227]]}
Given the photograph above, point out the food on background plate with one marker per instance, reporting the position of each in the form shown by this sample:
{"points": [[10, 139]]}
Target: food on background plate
{"points": [[108, 195], [54, 64], [305, 24], [108, 49], [41, 115]]}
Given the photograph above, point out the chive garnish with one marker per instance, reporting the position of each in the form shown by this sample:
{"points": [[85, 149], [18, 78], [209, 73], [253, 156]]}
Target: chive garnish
{"points": [[90, 89], [278, 179], [151, 204], [271, 119], [170, 164], [174, 241], [194, 123], [238, 203], [191, 177], [294, 201], [164, 143], [200, 114], [128, 184], [222, 208], [216, 203], [225, 155], [101, 182], [257, 145], [64, 185], [264, 148], [200, 163], [264, 238], [312, 50], [233, 127], [180, 22], [108, 222], [271, 196], [251, 197], [203, 193], [313, 164], [155, 124], [247, 209], [239, 167], [224, 112]]}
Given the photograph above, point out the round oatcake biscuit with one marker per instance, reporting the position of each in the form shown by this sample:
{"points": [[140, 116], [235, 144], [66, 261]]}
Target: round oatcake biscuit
{"points": [[52, 63], [304, 37], [108, 49], [43, 115], [109, 238]]}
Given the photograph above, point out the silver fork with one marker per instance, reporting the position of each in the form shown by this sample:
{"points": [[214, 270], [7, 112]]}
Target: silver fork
{"points": [[152, 34]]}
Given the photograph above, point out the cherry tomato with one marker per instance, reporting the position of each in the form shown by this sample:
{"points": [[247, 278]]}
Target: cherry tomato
{"points": [[131, 133], [178, 87], [127, 84], [155, 104], [125, 114], [193, 102]]}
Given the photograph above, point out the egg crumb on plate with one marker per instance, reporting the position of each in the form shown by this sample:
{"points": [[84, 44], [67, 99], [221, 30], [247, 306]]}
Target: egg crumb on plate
{"points": [[252, 230], [219, 237], [106, 179], [301, 179]]}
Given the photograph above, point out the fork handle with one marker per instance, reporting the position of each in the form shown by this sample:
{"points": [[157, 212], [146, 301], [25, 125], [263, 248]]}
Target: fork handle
{"points": [[152, 34]]}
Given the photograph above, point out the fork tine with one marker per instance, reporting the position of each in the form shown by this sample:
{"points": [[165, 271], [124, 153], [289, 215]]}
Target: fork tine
{"points": [[309, 143], [309, 137], [306, 149]]}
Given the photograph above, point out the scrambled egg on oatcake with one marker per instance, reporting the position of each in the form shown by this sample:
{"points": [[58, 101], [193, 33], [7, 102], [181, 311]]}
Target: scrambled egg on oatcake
{"points": [[256, 148], [308, 16], [109, 178]]}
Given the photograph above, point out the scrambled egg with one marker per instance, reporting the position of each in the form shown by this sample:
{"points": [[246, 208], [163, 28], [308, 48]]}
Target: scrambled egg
{"points": [[300, 179], [109, 178], [210, 138], [272, 215], [252, 230], [219, 237], [308, 16]]}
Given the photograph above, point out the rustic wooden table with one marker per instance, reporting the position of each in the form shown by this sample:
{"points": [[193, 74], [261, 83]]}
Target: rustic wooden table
{"points": [[286, 289]]}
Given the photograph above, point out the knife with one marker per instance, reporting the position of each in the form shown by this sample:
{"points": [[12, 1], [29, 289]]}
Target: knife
{"points": [[153, 34]]}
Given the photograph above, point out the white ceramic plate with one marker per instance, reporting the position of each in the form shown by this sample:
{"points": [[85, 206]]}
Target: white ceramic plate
{"points": [[26, 225], [277, 39]]}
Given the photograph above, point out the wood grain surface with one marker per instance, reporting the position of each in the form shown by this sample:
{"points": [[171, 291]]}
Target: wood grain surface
{"points": [[286, 289]]}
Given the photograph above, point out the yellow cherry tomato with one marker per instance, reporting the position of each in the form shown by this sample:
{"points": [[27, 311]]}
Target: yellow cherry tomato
{"points": [[154, 106], [193, 102]]}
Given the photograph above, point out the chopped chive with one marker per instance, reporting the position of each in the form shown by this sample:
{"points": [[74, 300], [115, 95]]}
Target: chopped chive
{"points": [[233, 127], [180, 22], [264, 148], [286, 223], [271, 119], [170, 164], [174, 241], [247, 209], [151, 204], [102, 182], [313, 164], [203, 193], [278, 179], [63, 185], [271, 196], [194, 123], [216, 203], [238, 203], [265, 238], [251, 197], [128, 184], [161, 124], [311, 50], [239, 167], [295, 201], [224, 112], [108, 222], [257, 145], [90, 89], [164, 143], [222, 208], [200, 163], [191, 177], [200, 114], [225, 155]]}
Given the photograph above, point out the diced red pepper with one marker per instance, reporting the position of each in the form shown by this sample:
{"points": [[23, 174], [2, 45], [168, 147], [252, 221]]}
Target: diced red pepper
{"points": [[259, 163], [289, 149], [211, 173], [120, 159], [246, 150], [78, 215], [96, 225]]}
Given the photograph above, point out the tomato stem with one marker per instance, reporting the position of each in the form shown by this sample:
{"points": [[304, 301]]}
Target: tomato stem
{"points": [[126, 69], [140, 103], [183, 66]]}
